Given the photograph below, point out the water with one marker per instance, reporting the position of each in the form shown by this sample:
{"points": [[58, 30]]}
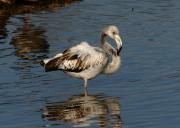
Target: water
{"points": [[144, 93]]}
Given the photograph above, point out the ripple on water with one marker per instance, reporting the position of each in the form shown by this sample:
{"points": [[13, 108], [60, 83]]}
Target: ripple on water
{"points": [[147, 84]]}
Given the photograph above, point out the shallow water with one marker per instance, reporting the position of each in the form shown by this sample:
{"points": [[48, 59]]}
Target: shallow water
{"points": [[144, 93]]}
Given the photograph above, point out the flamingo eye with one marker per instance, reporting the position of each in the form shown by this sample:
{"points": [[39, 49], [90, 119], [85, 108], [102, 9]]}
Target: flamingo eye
{"points": [[114, 33]]}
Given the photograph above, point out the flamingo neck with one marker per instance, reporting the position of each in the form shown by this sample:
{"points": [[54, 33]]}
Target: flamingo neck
{"points": [[106, 46], [114, 65]]}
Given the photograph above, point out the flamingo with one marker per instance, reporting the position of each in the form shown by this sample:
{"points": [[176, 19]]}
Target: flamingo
{"points": [[85, 61]]}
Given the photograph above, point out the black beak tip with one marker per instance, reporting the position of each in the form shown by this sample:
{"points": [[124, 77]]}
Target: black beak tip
{"points": [[119, 50]]}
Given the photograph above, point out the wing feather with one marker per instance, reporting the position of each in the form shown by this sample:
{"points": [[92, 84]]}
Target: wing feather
{"points": [[78, 58]]}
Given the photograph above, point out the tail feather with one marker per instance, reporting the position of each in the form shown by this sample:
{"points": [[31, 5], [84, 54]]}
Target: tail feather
{"points": [[50, 64], [42, 63]]}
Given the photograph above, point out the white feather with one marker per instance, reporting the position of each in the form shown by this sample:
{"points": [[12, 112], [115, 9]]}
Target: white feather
{"points": [[49, 59]]}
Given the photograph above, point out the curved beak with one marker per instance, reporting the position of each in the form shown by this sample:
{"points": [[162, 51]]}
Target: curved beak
{"points": [[118, 40]]}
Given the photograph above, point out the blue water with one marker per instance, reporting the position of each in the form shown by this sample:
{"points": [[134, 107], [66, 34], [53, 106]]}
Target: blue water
{"points": [[144, 93]]}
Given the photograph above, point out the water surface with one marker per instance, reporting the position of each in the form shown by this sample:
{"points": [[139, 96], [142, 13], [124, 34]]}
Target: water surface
{"points": [[144, 93]]}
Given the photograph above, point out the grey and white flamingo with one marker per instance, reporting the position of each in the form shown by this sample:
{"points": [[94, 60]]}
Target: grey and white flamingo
{"points": [[85, 61]]}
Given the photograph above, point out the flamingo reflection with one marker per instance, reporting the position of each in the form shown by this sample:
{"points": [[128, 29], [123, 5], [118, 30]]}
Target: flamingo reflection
{"points": [[84, 111], [3, 19], [29, 40]]}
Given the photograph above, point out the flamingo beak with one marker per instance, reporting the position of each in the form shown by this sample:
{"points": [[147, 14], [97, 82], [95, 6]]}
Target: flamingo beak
{"points": [[118, 43]]}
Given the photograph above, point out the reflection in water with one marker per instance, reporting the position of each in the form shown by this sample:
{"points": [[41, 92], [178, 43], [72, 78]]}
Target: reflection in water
{"points": [[3, 19], [27, 6], [29, 40], [84, 111], [31, 6]]}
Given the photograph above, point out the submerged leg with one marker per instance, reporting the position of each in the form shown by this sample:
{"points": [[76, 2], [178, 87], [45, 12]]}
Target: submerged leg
{"points": [[85, 92]]}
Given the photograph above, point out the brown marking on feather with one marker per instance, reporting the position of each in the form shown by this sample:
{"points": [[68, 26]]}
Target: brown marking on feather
{"points": [[79, 66], [55, 63], [73, 57], [52, 65]]}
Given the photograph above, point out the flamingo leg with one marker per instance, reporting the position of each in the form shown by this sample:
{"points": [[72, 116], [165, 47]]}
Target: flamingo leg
{"points": [[85, 83]]}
